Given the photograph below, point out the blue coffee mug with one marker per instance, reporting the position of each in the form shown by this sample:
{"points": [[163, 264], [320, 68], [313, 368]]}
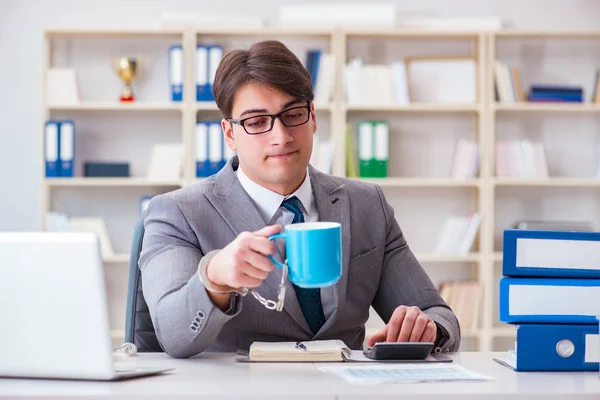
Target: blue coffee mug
{"points": [[313, 252]]}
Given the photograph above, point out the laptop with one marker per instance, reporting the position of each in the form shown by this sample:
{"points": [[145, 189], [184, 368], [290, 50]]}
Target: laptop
{"points": [[53, 309]]}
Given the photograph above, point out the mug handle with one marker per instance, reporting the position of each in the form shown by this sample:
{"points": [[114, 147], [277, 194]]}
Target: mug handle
{"points": [[277, 236], [270, 304]]}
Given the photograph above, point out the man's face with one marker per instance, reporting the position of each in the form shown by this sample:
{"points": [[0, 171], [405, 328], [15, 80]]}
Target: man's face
{"points": [[276, 159]]}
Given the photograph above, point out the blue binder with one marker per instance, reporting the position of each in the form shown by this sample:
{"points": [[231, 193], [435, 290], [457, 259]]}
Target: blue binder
{"points": [[557, 348], [67, 148], [551, 254], [52, 149], [176, 72], [203, 87], [208, 59], [549, 300], [202, 166], [216, 147]]}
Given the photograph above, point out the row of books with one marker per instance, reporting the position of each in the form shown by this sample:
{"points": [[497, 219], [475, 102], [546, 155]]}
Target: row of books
{"points": [[319, 64], [549, 290], [59, 148], [321, 67], [211, 151], [458, 234], [166, 159], [373, 84], [521, 158], [464, 298], [509, 88], [323, 153], [466, 160], [208, 59], [373, 149]]}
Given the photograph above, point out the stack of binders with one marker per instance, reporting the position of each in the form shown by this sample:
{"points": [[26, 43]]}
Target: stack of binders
{"points": [[551, 292], [208, 59], [59, 148], [373, 149], [212, 153]]}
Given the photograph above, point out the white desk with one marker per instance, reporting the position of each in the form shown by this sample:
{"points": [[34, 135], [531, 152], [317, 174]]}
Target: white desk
{"points": [[217, 376]]}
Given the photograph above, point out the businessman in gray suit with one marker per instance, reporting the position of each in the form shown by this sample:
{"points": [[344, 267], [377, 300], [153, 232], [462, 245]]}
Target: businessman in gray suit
{"points": [[207, 244]]}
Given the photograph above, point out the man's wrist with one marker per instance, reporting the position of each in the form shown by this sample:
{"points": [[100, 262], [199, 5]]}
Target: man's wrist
{"points": [[203, 274], [441, 338]]}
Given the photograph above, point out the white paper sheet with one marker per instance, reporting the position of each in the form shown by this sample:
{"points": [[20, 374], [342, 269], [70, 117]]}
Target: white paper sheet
{"points": [[405, 373]]}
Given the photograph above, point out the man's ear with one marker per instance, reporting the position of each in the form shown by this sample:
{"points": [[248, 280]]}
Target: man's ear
{"points": [[228, 132], [313, 117]]}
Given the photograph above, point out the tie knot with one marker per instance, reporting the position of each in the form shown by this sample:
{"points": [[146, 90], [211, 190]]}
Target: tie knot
{"points": [[294, 205]]}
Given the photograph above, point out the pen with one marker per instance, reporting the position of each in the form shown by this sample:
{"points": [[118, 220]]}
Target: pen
{"points": [[300, 346]]}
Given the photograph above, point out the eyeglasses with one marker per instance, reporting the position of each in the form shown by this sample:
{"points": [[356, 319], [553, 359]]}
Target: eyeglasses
{"points": [[258, 124]]}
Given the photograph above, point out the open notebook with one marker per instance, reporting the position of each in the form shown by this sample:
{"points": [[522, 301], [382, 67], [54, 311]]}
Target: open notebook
{"points": [[316, 351]]}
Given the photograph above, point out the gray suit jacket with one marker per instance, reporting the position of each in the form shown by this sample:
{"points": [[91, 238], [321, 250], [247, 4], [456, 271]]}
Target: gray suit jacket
{"points": [[379, 268]]}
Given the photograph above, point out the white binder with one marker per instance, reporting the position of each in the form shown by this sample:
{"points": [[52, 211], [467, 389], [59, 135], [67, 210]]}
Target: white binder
{"points": [[202, 167], [51, 149], [67, 148], [176, 72]]}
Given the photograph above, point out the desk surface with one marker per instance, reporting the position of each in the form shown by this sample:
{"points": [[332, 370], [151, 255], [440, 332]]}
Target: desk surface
{"points": [[213, 376]]}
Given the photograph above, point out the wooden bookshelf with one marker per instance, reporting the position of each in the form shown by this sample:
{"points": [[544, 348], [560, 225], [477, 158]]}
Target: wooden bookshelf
{"points": [[548, 107], [447, 258], [108, 182], [548, 182], [415, 107], [482, 116], [110, 106], [122, 258], [423, 182]]}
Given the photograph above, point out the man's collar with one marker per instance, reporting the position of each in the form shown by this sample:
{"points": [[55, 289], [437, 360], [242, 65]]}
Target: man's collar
{"points": [[268, 202]]}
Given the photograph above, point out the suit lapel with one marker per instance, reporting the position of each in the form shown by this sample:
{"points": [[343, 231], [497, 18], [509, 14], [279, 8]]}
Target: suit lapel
{"points": [[240, 213], [233, 203], [333, 206]]}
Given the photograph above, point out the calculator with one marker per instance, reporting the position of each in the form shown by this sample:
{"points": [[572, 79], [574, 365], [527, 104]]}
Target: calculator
{"points": [[399, 351]]}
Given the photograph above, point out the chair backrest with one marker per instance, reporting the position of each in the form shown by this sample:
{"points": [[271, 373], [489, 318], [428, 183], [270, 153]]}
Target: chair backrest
{"points": [[139, 329]]}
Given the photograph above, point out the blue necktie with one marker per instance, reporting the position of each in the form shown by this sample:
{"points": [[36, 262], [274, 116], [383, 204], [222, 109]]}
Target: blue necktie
{"points": [[309, 299]]}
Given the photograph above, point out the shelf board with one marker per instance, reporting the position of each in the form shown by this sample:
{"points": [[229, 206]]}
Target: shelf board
{"points": [[265, 31], [74, 33], [413, 107], [505, 331], [212, 106], [422, 182], [206, 106], [497, 257], [508, 33], [548, 107], [447, 258], [547, 182], [119, 258], [115, 106], [411, 33], [107, 182]]}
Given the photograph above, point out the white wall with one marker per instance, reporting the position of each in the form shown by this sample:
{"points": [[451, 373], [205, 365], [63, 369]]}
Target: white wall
{"points": [[22, 23]]}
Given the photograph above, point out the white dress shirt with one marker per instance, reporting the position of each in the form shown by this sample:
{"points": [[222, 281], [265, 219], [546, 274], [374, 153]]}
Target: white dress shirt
{"points": [[269, 205]]}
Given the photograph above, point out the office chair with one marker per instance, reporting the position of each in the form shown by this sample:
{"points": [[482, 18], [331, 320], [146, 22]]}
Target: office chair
{"points": [[139, 329]]}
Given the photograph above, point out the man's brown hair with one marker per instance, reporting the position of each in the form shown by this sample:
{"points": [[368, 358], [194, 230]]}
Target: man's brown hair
{"points": [[269, 62]]}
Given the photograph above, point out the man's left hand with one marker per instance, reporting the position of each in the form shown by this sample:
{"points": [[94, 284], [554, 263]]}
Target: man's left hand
{"points": [[407, 324]]}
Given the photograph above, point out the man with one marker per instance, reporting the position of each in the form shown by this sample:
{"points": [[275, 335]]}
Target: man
{"points": [[206, 244]]}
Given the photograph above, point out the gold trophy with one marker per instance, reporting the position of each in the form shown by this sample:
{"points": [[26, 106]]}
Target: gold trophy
{"points": [[128, 69]]}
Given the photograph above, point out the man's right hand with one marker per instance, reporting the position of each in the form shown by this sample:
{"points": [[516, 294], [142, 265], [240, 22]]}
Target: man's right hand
{"points": [[244, 262]]}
